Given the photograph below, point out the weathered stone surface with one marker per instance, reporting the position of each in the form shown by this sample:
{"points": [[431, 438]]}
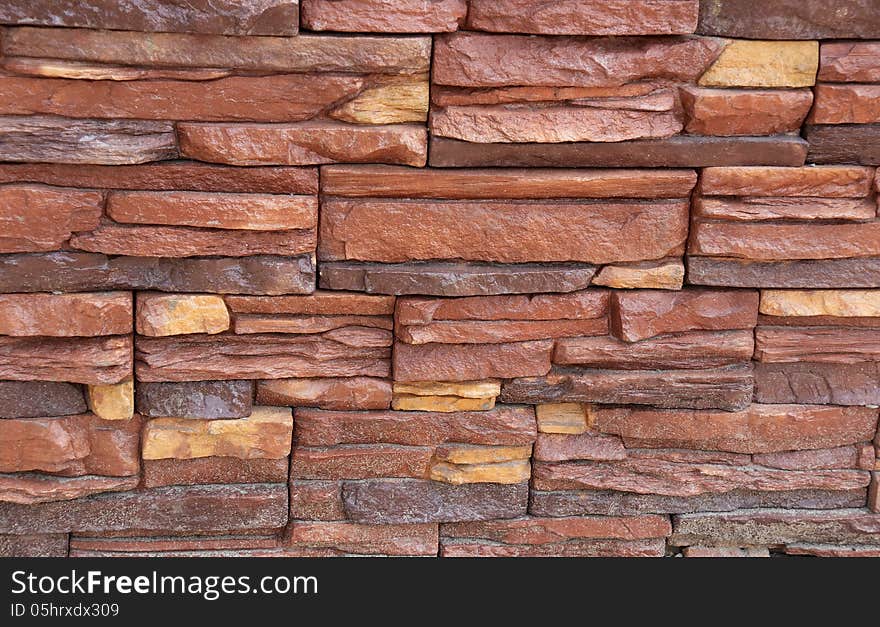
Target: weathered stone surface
{"points": [[83, 70], [468, 362], [821, 459], [72, 445], [475, 454], [789, 19], [178, 510], [71, 271], [360, 462], [752, 209], [170, 176], [307, 143], [394, 501], [455, 279], [350, 538], [552, 447], [502, 426], [65, 315], [576, 17], [553, 123], [464, 389], [822, 182], [493, 332], [279, 98], [114, 545], [731, 112], [213, 470], [843, 143], [179, 241], [34, 545], [673, 152], [641, 96], [411, 402], [571, 548], [839, 303], [30, 488], [202, 358], [33, 399], [828, 550], [479, 60], [92, 360], [874, 493], [305, 53], [820, 383], [745, 63], [817, 344], [275, 323], [849, 62], [36, 218], [698, 349], [846, 104], [372, 181], [777, 527], [383, 16], [568, 418], [390, 101], [108, 142], [227, 17], [804, 274], [604, 502], [112, 402], [507, 473], [196, 399], [675, 479], [316, 500], [317, 304], [758, 429], [646, 275], [178, 314], [398, 231], [252, 212], [727, 388], [331, 393], [640, 315], [725, 551], [265, 434]]}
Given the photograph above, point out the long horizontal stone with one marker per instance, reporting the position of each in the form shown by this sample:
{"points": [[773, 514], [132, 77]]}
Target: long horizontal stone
{"points": [[394, 231], [470, 362], [316, 500], [491, 332], [167, 176], [455, 278], [849, 62], [330, 393], [587, 304], [34, 545], [667, 274], [776, 208], [305, 53], [117, 545], [351, 538], [507, 426], [227, 17], [201, 358], [31, 488], [66, 315], [835, 303], [317, 304], [213, 470], [379, 181], [819, 383], [480, 60], [107, 142], [274, 323], [360, 462], [843, 143], [176, 510], [36, 218], [860, 456], [822, 182], [727, 388], [799, 274], [33, 399], [396, 501], [401, 16], [93, 360], [816, 344], [733, 112], [571, 548], [846, 104], [533, 530], [758, 429]]}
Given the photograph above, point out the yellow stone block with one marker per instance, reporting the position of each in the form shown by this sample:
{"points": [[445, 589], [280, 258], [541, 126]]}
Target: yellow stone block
{"points": [[405, 99], [667, 276], [746, 63], [464, 389], [446, 404], [506, 472], [838, 303], [112, 402], [570, 418], [180, 314], [475, 454], [265, 434]]}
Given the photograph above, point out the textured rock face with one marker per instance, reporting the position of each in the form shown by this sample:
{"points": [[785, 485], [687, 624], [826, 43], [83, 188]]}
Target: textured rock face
{"points": [[328, 393], [846, 62], [33, 399], [384, 16], [34, 545], [832, 384], [744, 112], [459, 362], [651, 275], [764, 64], [112, 402], [38, 218], [163, 315], [65, 315], [837, 303], [213, 470], [846, 104], [850, 143], [196, 399], [94, 360]]}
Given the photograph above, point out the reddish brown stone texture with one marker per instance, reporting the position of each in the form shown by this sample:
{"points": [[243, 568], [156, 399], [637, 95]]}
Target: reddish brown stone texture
{"points": [[849, 62], [821, 383], [725, 551], [37, 218], [395, 231], [112, 545], [98, 360], [463, 362], [34, 399], [360, 462], [383, 16], [350, 538], [34, 545], [66, 315], [537, 531], [843, 143], [642, 314], [71, 445], [502, 426], [316, 500], [213, 470], [874, 493], [820, 459], [824, 182], [31, 488], [229, 17], [758, 429], [846, 104], [554, 447], [838, 345], [202, 358], [593, 17], [579, 305], [730, 112], [571, 548], [777, 208], [491, 332], [330, 393], [478, 60], [317, 304]]}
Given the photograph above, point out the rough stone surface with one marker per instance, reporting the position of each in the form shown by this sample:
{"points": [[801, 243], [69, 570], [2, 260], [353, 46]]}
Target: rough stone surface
{"points": [[65, 315], [92, 360], [383, 16], [359, 462], [819, 383], [822, 182], [34, 545], [34, 399], [568, 418], [330, 393], [849, 62], [30, 488], [213, 470], [196, 399], [349, 538], [837, 303], [650, 275], [36, 218], [506, 473], [816, 344], [468, 362], [316, 500], [745, 63], [179, 314], [801, 274], [552, 447], [844, 143], [846, 104], [753, 209], [112, 402], [744, 112]]}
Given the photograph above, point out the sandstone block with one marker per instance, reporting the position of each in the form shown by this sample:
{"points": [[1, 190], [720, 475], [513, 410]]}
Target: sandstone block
{"points": [[822, 182], [849, 62], [383, 16], [65, 315], [819, 383], [658, 276], [725, 551], [412, 402], [846, 104], [567, 418], [213, 470], [468, 362], [801, 274], [92, 360], [745, 63], [837, 303], [34, 545], [161, 315], [33, 399], [316, 500], [320, 303], [360, 462], [31, 488], [36, 218], [552, 447], [730, 112], [112, 402], [837, 345], [330, 393], [754, 209], [196, 399]]}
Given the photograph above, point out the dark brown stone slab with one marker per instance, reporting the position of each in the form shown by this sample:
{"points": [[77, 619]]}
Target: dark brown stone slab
{"points": [[213, 470], [673, 152], [455, 279], [32, 399], [174, 510], [195, 399], [810, 273], [78, 272], [844, 143], [34, 545], [393, 501]]}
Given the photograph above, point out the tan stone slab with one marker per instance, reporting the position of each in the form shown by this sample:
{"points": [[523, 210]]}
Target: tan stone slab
{"points": [[840, 303], [408, 402], [745, 63], [463, 389], [505, 473], [665, 276], [160, 315], [568, 418], [112, 402]]}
